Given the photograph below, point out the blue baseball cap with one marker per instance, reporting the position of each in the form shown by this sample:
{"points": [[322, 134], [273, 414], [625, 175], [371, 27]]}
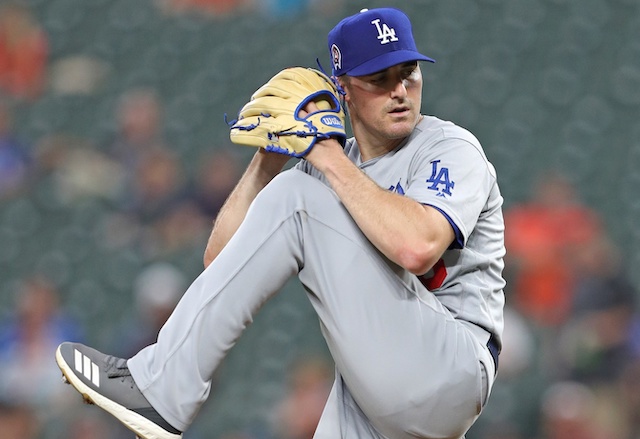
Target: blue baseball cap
{"points": [[371, 41]]}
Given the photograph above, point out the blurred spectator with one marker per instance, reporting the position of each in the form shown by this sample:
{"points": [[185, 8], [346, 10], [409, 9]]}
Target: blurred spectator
{"points": [[159, 202], [154, 200], [139, 128], [237, 435], [284, 9], [512, 412], [30, 380], [518, 345], [327, 8], [603, 334], [499, 430], [210, 8], [156, 290], [215, 178], [158, 184], [543, 237], [15, 161], [89, 425], [78, 75], [571, 410], [628, 393], [24, 51], [76, 169], [298, 414], [18, 421], [182, 228], [276, 9], [280, 9]]}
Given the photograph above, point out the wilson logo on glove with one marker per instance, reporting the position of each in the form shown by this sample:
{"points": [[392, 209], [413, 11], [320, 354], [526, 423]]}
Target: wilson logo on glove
{"points": [[331, 121], [273, 118]]}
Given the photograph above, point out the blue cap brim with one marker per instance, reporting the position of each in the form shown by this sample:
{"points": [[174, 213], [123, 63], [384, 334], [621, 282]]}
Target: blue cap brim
{"points": [[387, 60]]}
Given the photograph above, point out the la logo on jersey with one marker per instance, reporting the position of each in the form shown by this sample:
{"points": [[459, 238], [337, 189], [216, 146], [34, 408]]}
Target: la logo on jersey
{"points": [[439, 179], [398, 189], [385, 33]]}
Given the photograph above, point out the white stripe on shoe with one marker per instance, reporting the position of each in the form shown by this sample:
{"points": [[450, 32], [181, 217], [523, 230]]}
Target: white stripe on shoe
{"points": [[86, 367]]}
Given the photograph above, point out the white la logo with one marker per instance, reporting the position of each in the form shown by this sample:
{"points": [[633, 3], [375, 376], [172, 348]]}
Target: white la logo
{"points": [[385, 33]]}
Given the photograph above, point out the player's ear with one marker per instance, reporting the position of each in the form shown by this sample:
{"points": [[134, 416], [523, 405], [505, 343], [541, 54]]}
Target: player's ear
{"points": [[344, 84]]}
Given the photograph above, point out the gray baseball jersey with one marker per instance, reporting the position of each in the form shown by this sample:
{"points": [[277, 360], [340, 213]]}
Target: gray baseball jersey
{"points": [[411, 352], [444, 166]]}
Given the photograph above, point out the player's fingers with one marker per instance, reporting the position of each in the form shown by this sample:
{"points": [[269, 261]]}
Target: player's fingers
{"points": [[309, 108]]}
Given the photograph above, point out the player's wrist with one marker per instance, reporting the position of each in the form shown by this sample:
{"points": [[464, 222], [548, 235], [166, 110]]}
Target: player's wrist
{"points": [[269, 163], [325, 153], [332, 142]]}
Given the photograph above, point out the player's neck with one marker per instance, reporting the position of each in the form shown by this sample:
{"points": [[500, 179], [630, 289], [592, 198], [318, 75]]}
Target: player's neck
{"points": [[370, 151], [375, 144], [372, 145]]}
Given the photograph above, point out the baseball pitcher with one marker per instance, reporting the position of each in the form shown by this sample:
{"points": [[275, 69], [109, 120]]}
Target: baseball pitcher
{"points": [[395, 233]]}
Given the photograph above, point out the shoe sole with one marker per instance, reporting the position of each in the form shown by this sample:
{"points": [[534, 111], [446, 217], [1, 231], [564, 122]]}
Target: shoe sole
{"points": [[141, 426]]}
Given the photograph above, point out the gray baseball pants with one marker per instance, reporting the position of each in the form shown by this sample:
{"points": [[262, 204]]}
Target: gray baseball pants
{"points": [[405, 368]]}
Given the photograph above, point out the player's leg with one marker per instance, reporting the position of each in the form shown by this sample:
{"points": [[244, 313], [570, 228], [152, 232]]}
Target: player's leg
{"points": [[406, 363], [386, 339], [343, 418], [175, 373], [394, 344]]}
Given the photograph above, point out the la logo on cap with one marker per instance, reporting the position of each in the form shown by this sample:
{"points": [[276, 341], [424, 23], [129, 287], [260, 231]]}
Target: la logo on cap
{"points": [[385, 33]]}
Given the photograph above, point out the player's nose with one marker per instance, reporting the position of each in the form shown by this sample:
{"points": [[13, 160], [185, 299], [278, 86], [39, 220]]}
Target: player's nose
{"points": [[399, 89]]}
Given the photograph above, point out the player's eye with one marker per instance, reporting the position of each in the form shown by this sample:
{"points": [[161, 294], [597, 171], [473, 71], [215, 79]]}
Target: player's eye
{"points": [[409, 71], [377, 79]]}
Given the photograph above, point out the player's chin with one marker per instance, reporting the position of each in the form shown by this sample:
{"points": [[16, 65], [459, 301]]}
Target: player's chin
{"points": [[403, 119], [400, 129]]}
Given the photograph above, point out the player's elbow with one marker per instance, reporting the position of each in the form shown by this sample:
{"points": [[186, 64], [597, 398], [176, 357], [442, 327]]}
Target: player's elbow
{"points": [[418, 258]]}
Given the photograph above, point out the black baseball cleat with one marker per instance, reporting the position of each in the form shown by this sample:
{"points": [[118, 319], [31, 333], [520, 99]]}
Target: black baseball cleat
{"points": [[105, 381]]}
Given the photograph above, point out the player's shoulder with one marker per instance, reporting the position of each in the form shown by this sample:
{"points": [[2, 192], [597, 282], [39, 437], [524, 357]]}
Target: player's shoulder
{"points": [[445, 137], [438, 129]]}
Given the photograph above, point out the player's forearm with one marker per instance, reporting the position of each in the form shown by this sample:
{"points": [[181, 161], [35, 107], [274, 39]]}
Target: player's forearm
{"points": [[263, 167], [394, 224], [408, 233]]}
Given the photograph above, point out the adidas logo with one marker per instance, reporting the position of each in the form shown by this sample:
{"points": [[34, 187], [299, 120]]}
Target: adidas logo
{"points": [[86, 367]]}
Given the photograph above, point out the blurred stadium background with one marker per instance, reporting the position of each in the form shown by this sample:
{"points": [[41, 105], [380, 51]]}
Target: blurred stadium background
{"points": [[546, 85]]}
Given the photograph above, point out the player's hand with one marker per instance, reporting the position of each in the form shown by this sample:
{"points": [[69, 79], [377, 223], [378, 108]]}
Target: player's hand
{"points": [[269, 120], [325, 150]]}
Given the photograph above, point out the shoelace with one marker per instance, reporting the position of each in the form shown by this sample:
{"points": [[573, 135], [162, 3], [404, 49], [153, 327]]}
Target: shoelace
{"points": [[117, 368]]}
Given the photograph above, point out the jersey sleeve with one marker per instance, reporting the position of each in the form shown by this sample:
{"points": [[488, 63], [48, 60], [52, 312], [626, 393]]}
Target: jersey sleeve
{"points": [[454, 177]]}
